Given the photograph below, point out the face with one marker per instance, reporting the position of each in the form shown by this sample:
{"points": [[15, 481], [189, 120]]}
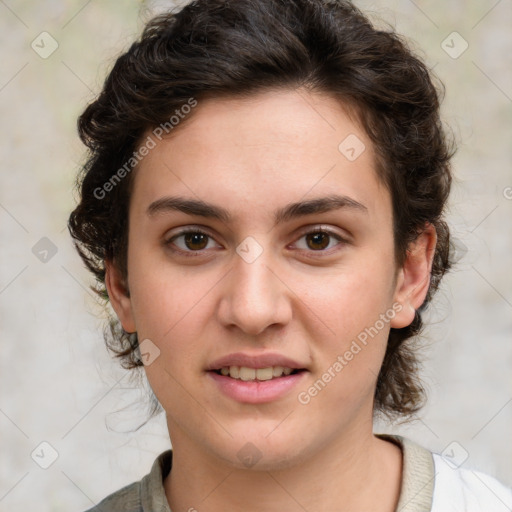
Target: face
{"points": [[258, 246]]}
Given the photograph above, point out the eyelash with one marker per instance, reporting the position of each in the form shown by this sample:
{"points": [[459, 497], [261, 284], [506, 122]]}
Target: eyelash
{"points": [[190, 253]]}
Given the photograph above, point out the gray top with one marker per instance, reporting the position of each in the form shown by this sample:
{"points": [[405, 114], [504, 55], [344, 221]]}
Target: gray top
{"points": [[148, 494]]}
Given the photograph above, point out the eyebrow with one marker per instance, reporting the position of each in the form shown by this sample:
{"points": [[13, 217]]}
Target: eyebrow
{"points": [[284, 214]]}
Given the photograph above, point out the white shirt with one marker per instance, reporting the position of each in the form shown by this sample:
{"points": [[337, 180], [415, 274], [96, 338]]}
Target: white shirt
{"points": [[465, 490]]}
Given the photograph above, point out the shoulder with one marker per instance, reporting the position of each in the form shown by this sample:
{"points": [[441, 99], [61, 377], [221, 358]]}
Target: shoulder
{"points": [[146, 495], [433, 482], [126, 499], [466, 490]]}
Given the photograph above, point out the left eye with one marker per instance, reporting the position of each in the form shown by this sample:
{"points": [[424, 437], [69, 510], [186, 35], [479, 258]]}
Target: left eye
{"points": [[319, 240], [192, 241]]}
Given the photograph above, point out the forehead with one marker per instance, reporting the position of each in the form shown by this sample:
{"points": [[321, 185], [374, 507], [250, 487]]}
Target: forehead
{"points": [[258, 152]]}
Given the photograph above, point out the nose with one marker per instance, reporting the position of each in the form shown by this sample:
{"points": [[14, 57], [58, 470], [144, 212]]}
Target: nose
{"points": [[254, 296]]}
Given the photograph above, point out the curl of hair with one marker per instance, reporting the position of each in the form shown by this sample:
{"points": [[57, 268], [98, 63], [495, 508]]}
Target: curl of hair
{"points": [[234, 48]]}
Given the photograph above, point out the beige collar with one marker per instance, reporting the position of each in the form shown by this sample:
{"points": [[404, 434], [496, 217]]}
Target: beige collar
{"points": [[415, 493]]}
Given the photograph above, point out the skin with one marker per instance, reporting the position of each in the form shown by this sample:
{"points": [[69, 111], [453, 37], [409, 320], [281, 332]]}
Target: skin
{"points": [[253, 156]]}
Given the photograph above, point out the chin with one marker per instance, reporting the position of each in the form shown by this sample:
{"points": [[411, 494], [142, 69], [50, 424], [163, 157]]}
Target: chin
{"points": [[261, 453]]}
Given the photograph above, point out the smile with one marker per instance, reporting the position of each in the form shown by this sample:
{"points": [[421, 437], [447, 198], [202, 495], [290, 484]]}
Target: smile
{"points": [[249, 374], [256, 385]]}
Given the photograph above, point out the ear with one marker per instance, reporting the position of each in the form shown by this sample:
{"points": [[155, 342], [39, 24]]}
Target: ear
{"points": [[119, 296], [413, 278]]}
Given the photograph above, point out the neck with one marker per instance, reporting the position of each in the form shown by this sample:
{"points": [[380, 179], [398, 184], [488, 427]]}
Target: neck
{"points": [[356, 473]]}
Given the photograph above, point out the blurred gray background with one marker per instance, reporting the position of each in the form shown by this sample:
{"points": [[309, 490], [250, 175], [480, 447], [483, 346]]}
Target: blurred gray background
{"points": [[58, 384]]}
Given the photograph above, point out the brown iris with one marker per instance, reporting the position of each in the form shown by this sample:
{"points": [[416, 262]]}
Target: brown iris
{"points": [[317, 240], [196, 241]]}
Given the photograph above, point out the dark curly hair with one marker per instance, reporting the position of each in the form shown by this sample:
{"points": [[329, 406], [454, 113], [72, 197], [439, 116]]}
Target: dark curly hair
{"points": [[233, 48]]}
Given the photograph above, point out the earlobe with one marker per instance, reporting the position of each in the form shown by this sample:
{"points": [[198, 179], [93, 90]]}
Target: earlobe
{"points": [[413, 278], [119, 297]]}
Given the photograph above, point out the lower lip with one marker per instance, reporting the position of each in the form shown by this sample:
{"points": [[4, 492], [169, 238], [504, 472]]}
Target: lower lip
{"points": [[256, 391]]}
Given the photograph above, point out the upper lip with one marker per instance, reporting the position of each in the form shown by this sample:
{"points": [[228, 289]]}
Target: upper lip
{"points": [[254, 361]]}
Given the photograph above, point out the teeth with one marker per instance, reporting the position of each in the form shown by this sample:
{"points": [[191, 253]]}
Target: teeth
{"points": [[277, 371], [249, 374], [264, 373]]}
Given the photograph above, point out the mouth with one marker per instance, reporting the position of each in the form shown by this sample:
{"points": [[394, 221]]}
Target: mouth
{"points": [[256, 379], [247, 374]]}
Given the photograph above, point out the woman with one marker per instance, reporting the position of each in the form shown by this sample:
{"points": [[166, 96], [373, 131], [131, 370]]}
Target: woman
{"points": [[263, 207]]}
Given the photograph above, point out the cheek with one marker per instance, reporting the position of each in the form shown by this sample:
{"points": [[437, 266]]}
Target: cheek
{"points": [[171, 310], [352, 299], [357, 308], [164, 297]]}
